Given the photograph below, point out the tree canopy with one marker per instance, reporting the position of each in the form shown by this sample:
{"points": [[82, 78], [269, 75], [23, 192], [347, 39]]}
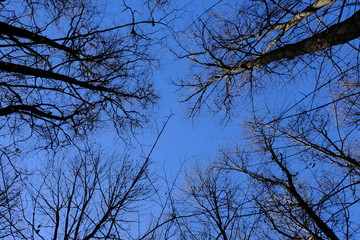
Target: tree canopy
{"points": [[65, 70], [290, 69]]}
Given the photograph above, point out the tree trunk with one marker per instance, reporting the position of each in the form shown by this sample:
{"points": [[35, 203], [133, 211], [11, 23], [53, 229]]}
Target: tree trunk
{"points": [[335, 35]]}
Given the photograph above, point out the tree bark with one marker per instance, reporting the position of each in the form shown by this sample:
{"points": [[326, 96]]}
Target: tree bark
{"points": [[313, 8], [335, 35]]}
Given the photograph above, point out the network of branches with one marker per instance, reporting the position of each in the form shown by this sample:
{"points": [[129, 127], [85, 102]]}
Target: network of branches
{"points": [[290, 68], [65, 70]]}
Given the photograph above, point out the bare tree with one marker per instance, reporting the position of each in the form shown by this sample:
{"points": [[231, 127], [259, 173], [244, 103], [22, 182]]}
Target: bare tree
{"points": [[83, 194], [300, 194], [88, 197], [10, 190], [67, 69], [213, 206], [242, 46], [299, 152], [272, 187]]}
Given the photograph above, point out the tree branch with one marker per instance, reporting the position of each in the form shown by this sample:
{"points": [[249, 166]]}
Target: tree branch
{"points": [[335, 35], [16, 68]]}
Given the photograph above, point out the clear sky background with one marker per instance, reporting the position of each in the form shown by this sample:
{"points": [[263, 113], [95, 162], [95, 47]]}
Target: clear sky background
{"points": [[184, 139]]}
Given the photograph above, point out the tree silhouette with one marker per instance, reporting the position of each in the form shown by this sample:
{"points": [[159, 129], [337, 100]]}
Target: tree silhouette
{"points": [[65, 70], [255, 39]]}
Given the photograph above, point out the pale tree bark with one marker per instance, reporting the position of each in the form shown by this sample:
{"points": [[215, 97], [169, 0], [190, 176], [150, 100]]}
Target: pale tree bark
{"points": [[298, 17]]}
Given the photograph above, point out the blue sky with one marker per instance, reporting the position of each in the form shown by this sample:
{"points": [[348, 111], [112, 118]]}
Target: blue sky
{"points": [[190, 139]]}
